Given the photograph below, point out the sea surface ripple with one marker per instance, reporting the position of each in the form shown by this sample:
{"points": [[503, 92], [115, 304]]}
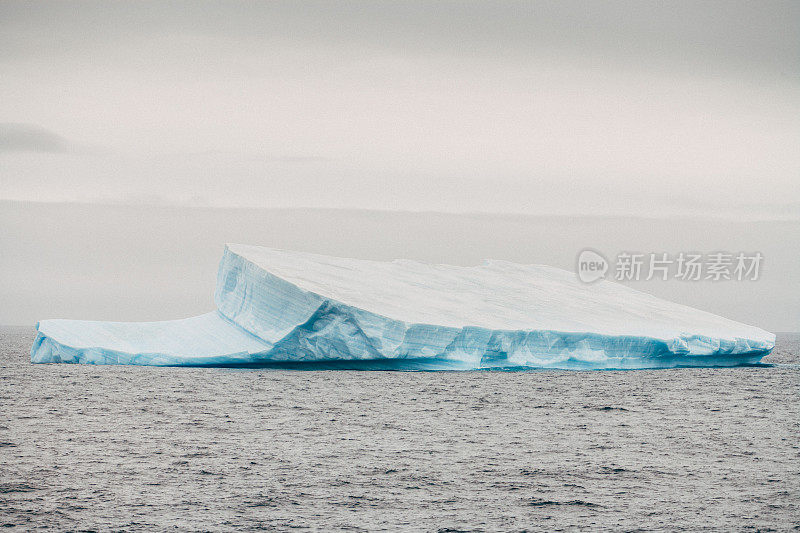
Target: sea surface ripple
{"points": [[141, 448]]}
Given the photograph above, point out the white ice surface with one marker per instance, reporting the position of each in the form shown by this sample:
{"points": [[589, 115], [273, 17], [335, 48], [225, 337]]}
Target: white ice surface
{"points": [[203, 339], [280, 306], [498, 295]]}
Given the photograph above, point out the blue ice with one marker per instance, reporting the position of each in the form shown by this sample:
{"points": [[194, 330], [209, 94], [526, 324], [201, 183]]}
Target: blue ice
{"points": [[282, 308]]}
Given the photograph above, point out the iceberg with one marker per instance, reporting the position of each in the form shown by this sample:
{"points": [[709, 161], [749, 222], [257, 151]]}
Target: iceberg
{"points": [[302, 310]]}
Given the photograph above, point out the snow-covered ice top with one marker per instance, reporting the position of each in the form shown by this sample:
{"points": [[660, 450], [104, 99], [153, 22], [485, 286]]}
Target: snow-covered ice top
{"points": [[276, 306], [497, 295]]}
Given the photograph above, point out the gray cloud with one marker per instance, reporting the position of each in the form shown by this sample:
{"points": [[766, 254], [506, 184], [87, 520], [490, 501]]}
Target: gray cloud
{"points": [[16, 137], [437, 105], [718, 34]]}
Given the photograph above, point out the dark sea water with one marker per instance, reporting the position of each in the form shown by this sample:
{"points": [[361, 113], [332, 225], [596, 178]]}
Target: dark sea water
{"points": [[138, 448]]}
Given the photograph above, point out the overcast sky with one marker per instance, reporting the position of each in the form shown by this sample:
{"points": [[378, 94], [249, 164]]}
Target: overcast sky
{"points": [[533, 107]]}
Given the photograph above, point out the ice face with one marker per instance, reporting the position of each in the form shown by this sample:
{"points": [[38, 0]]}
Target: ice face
{"points": [[278, 306]]}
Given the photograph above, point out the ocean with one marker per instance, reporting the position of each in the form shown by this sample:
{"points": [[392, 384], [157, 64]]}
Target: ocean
{"points": [[100, 448]]}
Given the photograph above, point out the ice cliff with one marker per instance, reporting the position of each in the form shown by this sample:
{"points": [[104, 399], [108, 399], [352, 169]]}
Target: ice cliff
{"points": [[288, 308]]}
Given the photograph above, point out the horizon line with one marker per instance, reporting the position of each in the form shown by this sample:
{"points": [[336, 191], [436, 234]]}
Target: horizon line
{"points": [[747, 215]]}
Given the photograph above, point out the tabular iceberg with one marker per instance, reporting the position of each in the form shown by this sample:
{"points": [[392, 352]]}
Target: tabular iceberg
{"points": [[277, 307]]}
